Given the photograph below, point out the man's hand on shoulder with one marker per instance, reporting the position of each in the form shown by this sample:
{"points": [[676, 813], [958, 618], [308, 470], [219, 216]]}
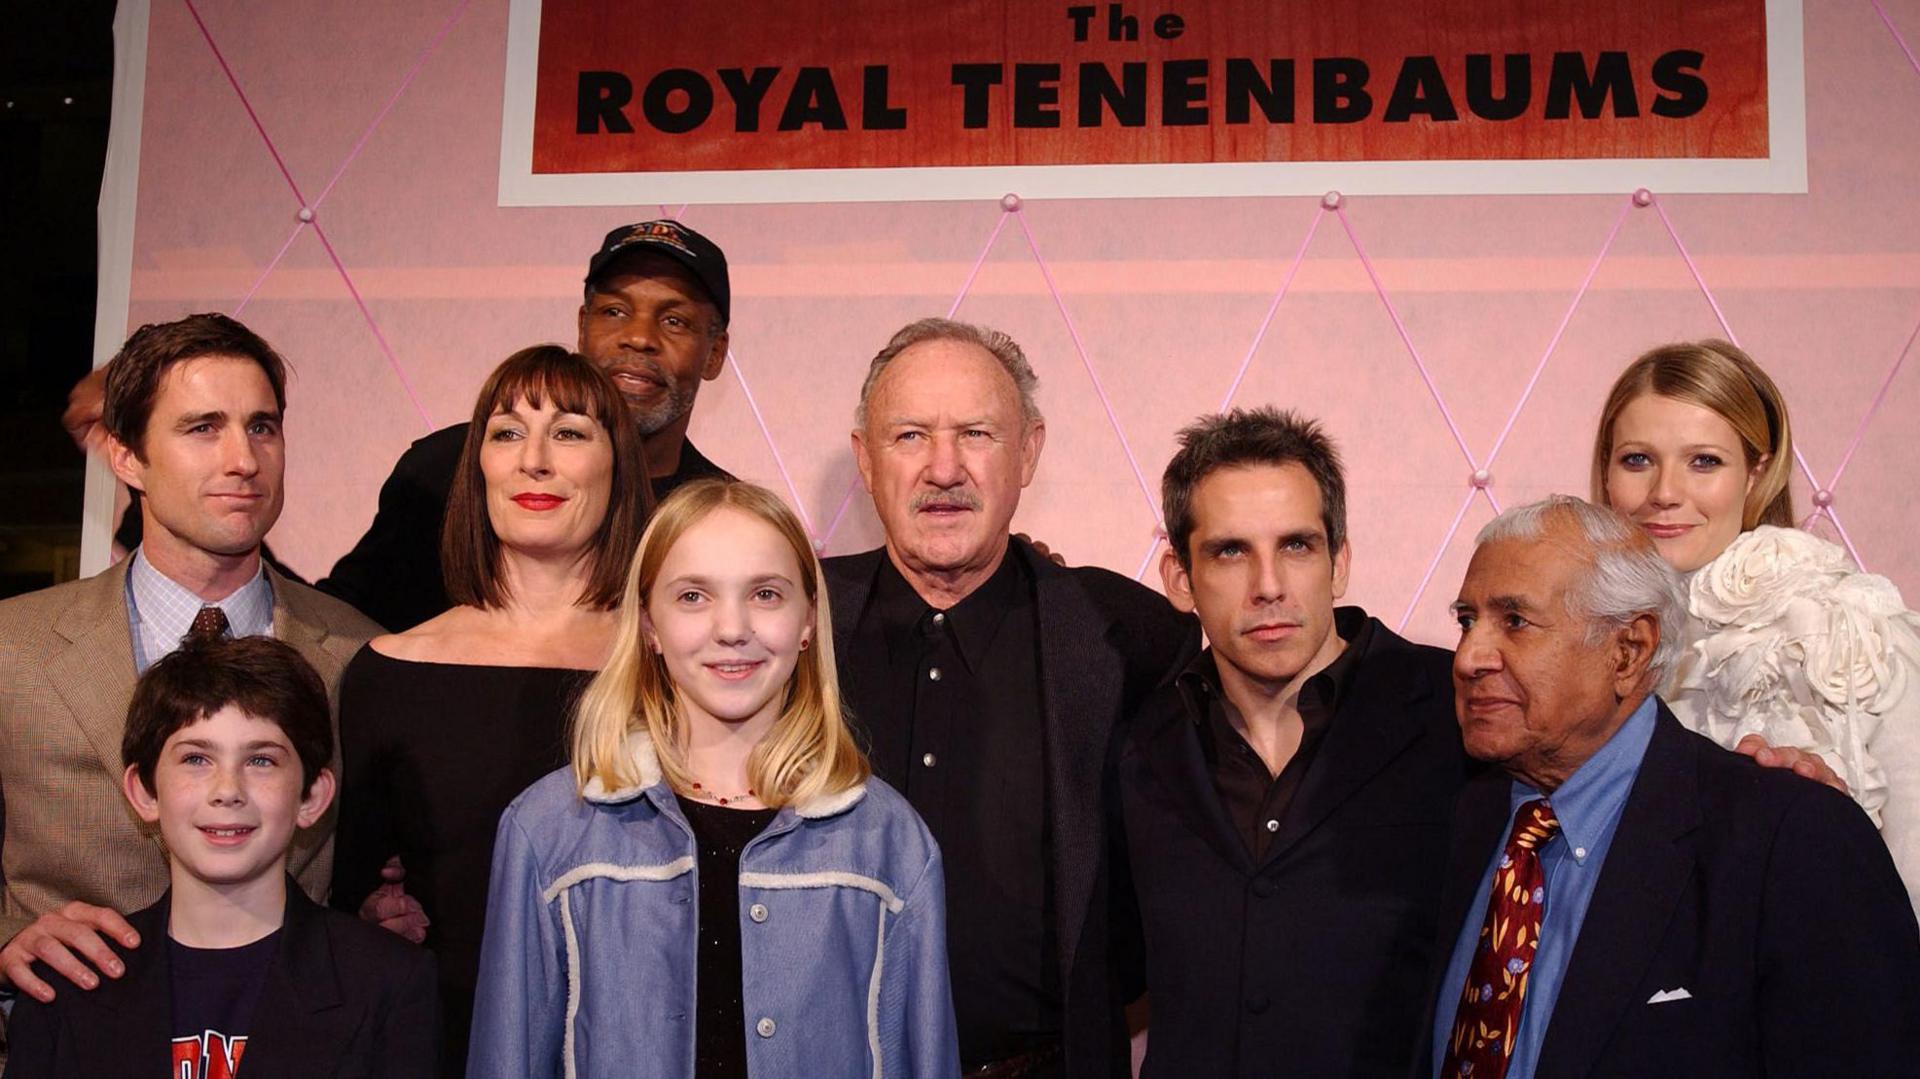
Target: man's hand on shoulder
{"points": [[1802, 762], [54, 938], [85, 404], [1044, 551], [392, 909]]}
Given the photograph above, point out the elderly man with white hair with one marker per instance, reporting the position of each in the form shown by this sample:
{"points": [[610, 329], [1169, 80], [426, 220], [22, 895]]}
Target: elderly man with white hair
{"points": [[1623, 897]]}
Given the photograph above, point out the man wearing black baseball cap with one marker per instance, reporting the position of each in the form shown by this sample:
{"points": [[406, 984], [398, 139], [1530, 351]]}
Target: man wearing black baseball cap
{"points": [[655, 318]]}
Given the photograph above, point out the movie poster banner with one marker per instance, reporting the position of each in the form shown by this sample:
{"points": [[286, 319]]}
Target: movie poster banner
{"points": [[809, 101]]}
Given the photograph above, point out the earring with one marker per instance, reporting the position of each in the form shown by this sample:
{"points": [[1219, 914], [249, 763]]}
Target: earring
{"points": [[804, 642]]}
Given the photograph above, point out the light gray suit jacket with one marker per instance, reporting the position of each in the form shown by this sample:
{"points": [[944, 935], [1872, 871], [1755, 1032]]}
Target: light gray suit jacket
{"points": [[66, 677]]}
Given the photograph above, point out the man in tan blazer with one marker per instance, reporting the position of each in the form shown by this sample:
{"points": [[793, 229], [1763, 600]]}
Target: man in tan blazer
{"points": [[194, 417]]}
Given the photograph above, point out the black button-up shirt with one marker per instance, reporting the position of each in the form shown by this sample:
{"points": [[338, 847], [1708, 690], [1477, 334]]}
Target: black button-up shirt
{"points": [[951, 705], [1255, 799]]}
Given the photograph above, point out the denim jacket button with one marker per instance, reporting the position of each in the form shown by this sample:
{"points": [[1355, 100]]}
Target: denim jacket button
{"points": [[764, 1027], [758, 912]]}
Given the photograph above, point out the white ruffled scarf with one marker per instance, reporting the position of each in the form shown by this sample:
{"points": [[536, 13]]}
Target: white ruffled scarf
{"points": [[1787, 641]]}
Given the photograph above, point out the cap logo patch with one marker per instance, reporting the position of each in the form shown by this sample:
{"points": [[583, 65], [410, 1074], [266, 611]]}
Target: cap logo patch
{"points": [[655, 232]]}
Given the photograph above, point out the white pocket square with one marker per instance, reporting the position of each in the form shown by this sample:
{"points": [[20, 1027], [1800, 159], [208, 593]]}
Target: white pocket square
{"points": [[1668, 996]]}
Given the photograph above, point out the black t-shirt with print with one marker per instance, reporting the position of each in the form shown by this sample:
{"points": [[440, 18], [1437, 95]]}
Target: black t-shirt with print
{"points": [[214, 992]]}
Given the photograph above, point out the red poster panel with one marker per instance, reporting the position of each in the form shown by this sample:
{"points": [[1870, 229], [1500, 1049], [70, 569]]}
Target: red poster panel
{"points": [[692, 87]]}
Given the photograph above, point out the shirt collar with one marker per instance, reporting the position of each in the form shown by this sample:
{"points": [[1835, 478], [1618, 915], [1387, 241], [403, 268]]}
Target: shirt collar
{"points": [[1591, 799], [1322, 693], [165, 608], [973, 621]]}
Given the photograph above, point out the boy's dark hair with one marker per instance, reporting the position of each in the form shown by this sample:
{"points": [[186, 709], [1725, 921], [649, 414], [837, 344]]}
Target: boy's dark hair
{"points": [[1251, 436], [260, 676], [134, 373]]}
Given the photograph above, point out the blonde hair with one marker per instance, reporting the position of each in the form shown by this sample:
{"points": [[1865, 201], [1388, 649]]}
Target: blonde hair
{"points": [[1720, 377], [809, 753]]}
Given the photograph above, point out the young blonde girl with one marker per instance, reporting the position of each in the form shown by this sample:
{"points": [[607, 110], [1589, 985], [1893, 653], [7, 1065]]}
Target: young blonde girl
{"points": [[716, 886]]}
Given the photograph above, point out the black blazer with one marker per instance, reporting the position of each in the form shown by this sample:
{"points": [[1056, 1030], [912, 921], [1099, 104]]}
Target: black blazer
{"points": [[342, 1000], [1105, 641], [1769, 898], [1312, 961]]}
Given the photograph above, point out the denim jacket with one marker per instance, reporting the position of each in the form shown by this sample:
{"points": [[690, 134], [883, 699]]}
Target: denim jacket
{"points": [[589, 959]]}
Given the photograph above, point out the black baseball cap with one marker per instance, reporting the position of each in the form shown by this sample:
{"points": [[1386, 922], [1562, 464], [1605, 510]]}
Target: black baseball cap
{"points": [[701, 256]]}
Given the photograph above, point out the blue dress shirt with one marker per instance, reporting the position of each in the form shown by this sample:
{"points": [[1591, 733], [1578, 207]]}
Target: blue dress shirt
{"points": [[1588, 806], [160, 611]]}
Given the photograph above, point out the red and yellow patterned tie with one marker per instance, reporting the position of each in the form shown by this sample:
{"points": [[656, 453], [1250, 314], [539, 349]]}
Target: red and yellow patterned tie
{"points": [[1489, 1012]]}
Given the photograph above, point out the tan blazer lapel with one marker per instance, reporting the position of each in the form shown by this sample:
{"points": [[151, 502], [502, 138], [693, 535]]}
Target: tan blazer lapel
{"points": [[94, 676], [297, 623]]}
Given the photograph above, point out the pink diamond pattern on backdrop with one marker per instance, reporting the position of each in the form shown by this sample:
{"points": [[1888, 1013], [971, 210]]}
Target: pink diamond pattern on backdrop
{"points": [[308, 211], [1480, 486]]}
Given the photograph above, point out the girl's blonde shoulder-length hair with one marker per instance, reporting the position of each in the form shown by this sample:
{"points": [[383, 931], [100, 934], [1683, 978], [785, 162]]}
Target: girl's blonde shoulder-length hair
{"points": [[810, 753]]}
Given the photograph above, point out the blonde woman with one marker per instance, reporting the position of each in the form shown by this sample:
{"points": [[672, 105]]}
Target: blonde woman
{"points": [[716, 886], [1787, 641]]}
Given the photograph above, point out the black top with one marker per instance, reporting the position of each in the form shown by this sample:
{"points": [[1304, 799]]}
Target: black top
{"points": [[431, 753], [393, 574], [1105, 643], [720, 1026], [1316, 952], [1256, 799], [968, 749], [214, 993], [339, 997]]}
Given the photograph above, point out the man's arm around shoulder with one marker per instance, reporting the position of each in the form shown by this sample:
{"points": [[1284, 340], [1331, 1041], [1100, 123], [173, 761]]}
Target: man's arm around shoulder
{"points": [[393, 573]]}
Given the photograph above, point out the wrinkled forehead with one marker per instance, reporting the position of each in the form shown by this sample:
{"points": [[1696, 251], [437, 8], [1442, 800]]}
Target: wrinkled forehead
{"points": [[1541, 569], [941, 377]]}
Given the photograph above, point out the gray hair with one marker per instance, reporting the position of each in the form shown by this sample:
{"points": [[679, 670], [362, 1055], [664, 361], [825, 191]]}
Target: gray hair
{"points": [[1628, 578], [998, 344]]}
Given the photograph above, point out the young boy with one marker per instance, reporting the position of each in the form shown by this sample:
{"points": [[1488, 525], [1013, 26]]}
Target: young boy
{"points": [[226, 749]]}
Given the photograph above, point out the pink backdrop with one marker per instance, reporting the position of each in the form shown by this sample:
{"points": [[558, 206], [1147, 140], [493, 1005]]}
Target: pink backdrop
{"points": [[1162, 300]]}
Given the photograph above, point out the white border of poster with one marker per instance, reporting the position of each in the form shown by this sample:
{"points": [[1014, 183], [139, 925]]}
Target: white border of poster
{"points": [[1784, 171], [113, 300]]}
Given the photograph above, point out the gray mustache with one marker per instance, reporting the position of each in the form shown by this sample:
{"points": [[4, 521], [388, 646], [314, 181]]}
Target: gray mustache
{"points": [[963, 499]]}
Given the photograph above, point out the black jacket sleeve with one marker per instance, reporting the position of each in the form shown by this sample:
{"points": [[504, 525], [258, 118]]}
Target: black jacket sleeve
{"points": [[393, 574], [1833, 1001]]}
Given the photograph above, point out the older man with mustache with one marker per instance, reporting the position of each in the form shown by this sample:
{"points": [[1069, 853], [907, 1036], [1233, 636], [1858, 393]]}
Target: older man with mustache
{"points": [[988, 680], [1623, 896]]}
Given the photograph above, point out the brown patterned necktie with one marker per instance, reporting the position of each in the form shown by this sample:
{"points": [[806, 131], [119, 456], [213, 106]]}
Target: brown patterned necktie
{"points": [[1481, 1043], [210, 623]]}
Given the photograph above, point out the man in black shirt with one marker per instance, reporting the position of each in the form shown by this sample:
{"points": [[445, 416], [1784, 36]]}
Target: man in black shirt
{"points": [[987, 681], [655, 318], [1285, 797]]}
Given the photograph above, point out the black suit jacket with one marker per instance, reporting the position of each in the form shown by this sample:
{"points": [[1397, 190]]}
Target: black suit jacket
{"points": [[1769, 898], [1105, 641], [1311, 961], [393, 573], [342, 1000]]}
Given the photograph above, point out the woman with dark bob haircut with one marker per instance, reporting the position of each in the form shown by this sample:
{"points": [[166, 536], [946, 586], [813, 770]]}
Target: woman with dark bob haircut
{"points": [[442, 725]]}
